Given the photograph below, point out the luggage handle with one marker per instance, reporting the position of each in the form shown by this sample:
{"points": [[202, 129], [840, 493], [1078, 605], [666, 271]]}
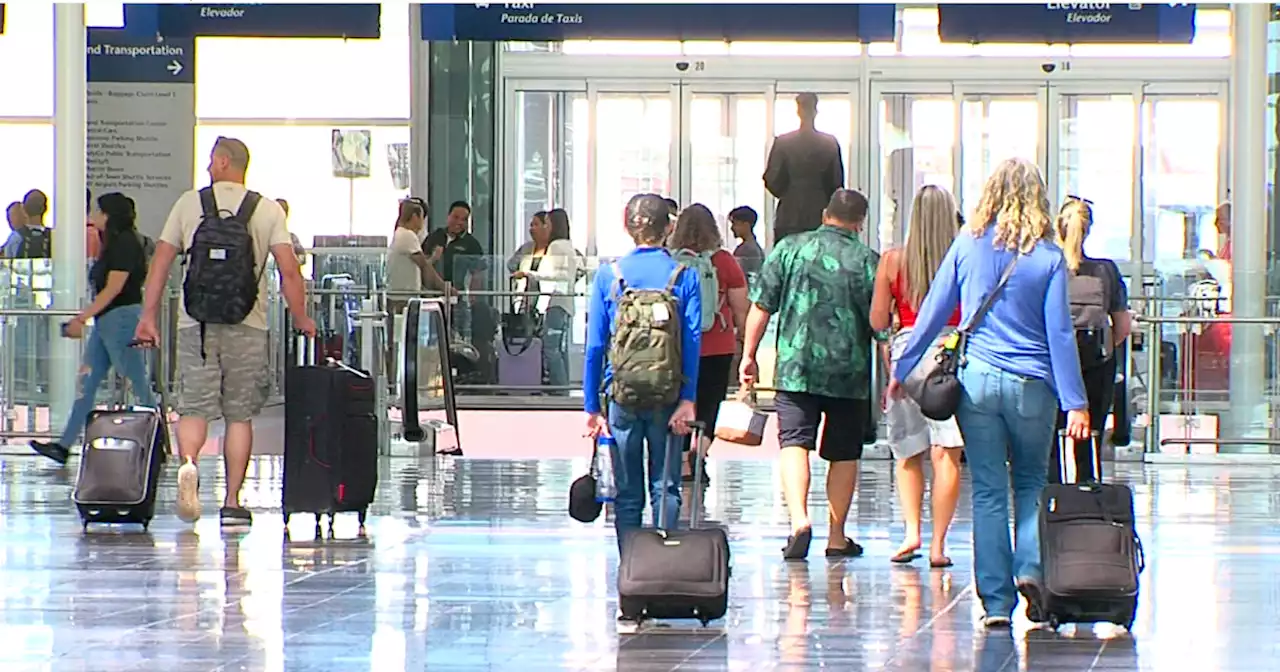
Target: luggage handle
{"points": [[1094, 455], [674, 442], [304, 350], [342, 365]]}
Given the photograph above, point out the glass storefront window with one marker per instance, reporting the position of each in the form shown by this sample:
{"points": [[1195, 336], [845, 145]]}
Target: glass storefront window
{"points": [[33, 169]]}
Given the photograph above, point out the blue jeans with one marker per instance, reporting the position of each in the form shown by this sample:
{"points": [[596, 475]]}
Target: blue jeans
{"points": [[106, 347], [633, 430], [1007, 421], [555, 341]]}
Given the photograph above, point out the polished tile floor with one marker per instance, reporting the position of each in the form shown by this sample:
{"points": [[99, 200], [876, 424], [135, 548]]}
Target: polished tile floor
{"points": [[471, 565]]}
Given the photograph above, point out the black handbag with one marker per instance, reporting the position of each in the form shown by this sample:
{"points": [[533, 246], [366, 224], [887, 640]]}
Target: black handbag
{"points": [[583, 505], [935, 382]]}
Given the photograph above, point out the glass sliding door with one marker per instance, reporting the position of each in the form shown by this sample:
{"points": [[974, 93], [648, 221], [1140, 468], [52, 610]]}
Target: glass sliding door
{"points": [[634, 134], [1096, 139], [549, 159], [1181, 180], [916, 133], [728, 134], [995, 127]]}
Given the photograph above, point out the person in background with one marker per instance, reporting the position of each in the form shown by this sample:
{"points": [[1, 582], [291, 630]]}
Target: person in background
{"points": [[1019, 357], [461, 255], [647, 267], [408, 269], [298, 250], [1095, 290], [116, 279], [30, 239], [804, 168], [819, 284], [559, 219], [92, 237], [548, 265], [673, 206], [742, 223], [901, 284], [696, 231], [36, 205], [223, 368], [17, 218]]}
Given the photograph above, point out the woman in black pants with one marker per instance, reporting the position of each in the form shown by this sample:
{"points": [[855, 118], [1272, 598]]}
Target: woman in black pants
{"points": [[1100, 309]]}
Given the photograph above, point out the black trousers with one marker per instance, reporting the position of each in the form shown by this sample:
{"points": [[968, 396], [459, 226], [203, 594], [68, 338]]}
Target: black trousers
{"points": [[1100, 387]]}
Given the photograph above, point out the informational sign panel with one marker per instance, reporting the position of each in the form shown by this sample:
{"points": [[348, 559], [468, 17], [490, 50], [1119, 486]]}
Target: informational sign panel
{"points": [[141, 121], [260, 20], [351, 153], [536, 22], [1069, 22]]}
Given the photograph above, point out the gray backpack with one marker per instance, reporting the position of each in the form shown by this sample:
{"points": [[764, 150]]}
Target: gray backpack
{"points": [[1090, 297]]}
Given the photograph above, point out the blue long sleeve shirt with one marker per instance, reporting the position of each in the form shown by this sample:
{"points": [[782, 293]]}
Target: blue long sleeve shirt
{"points": [[643, 268], [1028, 330]]}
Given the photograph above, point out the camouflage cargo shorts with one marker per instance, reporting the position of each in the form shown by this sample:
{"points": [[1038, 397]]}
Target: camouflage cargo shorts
{"points": [[230, 380]]}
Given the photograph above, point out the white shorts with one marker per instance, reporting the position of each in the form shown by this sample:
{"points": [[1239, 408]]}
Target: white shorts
{"points": [[910, 433]]}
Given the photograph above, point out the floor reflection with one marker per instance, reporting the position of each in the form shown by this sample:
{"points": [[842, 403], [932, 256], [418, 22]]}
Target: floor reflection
{"points": [[473, 565]]}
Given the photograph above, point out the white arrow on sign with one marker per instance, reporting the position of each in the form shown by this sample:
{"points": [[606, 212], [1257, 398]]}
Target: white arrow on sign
{"points": [[174, 68]]}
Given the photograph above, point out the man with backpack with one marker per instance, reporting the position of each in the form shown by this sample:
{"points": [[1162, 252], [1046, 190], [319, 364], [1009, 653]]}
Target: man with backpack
{"points": [[644, 332], [226, 233], [31, 240]]}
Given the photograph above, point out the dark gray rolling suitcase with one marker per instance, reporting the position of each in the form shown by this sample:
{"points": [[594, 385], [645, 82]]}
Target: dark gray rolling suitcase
{"points": [[120, 466], [669, 574], [1089, 547]]}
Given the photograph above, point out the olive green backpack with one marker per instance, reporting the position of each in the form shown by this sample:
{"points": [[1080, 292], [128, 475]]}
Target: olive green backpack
{"points": [[645, 348]]}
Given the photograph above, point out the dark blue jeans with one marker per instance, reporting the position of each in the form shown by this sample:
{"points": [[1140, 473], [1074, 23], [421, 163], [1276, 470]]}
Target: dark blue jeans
{"points": [[634, 431], [555, 344], [107, 347]]}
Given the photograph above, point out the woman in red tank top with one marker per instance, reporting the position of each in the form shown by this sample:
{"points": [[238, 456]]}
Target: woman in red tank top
{"points": [[902, 281]]}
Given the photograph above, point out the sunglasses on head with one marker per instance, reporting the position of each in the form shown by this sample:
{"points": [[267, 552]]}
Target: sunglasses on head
{"points": [[1081, 199]]}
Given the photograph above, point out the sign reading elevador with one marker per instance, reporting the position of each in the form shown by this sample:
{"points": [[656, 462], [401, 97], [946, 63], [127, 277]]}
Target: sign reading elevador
{"points": [[141, 121]]}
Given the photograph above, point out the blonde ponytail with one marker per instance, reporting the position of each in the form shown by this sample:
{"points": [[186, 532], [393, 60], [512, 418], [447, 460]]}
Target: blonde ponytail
{"points": [[1074, 221]]}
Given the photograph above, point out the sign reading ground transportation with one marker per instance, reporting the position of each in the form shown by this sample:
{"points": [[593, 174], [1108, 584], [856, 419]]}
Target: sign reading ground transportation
{"points": [[141, 121], [535, 22], [1069, 22], [266, 20]]}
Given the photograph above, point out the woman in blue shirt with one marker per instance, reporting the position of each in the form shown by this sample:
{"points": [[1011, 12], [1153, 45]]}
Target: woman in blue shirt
{"points": [[1021, 365]]}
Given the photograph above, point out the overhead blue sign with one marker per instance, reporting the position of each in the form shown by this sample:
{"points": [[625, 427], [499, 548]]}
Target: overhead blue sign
{"points": [[265, 20], [532, 22], [115, 56], [1069, 22]]}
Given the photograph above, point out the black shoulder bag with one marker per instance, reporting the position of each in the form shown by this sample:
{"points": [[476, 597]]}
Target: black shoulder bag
{"points": [[935, 382]]}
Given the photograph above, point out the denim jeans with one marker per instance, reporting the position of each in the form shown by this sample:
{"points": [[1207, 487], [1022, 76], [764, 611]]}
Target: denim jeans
{"points": [[555, 337], [1007, 421], [634, 430], [107, 346]]}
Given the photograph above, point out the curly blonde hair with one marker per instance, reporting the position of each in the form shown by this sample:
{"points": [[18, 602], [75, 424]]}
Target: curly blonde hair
{"points": [[1014, 200]]}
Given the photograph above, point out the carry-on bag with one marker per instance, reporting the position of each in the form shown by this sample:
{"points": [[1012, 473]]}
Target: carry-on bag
{"points": [[740, 422], [330, 438], [520, 363], [120, 465], [1090, 550], [667, 574]]}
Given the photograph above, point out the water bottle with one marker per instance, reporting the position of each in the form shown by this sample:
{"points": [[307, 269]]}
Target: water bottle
{"points": [[606, 483]]}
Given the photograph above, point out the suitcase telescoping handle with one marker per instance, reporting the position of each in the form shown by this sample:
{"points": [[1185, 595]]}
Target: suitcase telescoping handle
{"points": [[305, 350], [675, 457], [1067, 448]]}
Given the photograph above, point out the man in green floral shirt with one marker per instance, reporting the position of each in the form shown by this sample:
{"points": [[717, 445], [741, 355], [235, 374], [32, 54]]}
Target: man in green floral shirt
{"points": [[819, 285]]}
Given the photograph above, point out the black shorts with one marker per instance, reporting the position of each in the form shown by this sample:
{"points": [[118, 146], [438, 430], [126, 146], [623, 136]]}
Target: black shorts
{"points": [[713, 385], [800, 413]]}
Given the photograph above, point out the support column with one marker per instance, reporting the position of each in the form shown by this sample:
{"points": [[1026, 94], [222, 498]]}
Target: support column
{"points": [[1248, 105], [70, 267], [419, 105]]}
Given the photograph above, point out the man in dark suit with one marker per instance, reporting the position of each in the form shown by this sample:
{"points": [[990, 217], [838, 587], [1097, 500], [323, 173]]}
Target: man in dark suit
{"points": [[804, 169]]}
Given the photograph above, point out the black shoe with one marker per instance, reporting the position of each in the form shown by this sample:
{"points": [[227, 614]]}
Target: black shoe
{"points": [[234, 516], [797, 547], [52, 450], [1030, 590], [849, 550]]}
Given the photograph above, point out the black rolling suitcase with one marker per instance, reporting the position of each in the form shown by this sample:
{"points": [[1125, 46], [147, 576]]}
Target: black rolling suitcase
{"points": [[120, 465], [330, 439], [668, 574], [1090, 550]]}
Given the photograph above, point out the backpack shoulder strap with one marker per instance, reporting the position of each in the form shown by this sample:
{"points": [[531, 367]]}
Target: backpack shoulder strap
{"points": [[248, 206], [675, 278], [208, 204], [618, 283]]}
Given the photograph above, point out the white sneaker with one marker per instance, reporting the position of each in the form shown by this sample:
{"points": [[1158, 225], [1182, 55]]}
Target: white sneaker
{"points": [[188, 492]]}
